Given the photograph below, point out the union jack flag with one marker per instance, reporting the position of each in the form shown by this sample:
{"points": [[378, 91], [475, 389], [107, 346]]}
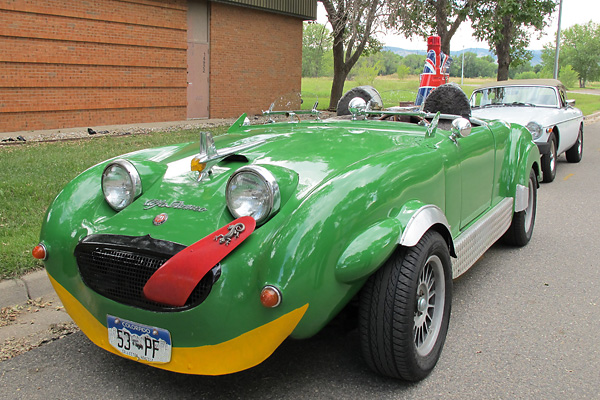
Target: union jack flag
{"points": [[433, 74]]}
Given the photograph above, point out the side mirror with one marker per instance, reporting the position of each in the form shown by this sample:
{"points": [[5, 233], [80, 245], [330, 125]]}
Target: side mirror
{"points": [[356, 106], [461, 127], [570, 102]]}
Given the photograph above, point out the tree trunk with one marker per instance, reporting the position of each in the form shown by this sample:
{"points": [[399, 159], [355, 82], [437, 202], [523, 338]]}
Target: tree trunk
{"points": [[503, 63], [339, 72], [503, 48], [446, 43], [337, 89]]}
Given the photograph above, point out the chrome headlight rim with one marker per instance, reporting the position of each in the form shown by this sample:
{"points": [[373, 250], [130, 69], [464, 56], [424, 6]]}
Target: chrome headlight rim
{"points": [[535, 128], [270, 183], [134, 179]]}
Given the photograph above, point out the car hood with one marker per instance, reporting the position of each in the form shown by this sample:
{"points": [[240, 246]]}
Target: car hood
{"points": [[303, 157], [522, 115]]}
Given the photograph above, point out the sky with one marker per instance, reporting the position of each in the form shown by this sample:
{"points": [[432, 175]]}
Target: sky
{"points": [[573, 12]]}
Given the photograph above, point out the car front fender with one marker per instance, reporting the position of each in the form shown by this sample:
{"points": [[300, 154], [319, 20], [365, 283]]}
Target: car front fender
{"points": [[371, 248], [417, 218], [368, 251]]}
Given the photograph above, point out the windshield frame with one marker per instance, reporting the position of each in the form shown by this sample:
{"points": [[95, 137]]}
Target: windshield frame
{"points": [[516, 95]]}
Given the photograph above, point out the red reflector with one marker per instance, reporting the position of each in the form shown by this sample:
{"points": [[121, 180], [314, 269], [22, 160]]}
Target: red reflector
{"points": [[39, 252], [270, 296]]}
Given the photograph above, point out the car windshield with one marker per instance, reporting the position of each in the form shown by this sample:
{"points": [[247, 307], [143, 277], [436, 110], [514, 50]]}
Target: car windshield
{"points": [[515, 96]]}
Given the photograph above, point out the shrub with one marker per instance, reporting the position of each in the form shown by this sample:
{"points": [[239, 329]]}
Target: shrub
{"points": [[568, 77], [402, 71], [526, 75]]}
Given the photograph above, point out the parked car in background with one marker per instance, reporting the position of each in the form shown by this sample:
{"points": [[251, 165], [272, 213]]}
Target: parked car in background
{"points": [[202, 258], [541, 105]]}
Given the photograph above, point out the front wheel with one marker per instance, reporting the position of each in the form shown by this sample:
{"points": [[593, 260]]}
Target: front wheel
{"points": [[575, 153], [549, 162], [405, 310], [521, 229]]}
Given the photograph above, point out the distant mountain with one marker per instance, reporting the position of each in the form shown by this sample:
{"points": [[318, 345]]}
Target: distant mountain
{"points": [[481, 52]]}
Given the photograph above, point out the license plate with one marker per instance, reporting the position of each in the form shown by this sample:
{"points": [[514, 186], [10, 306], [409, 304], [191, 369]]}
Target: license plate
{"points": [[144, 342]]}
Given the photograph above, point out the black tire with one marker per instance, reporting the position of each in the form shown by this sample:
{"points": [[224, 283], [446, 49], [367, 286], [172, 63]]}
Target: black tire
{"points": [[575, 153], [402, 334], [366, 93], [520, 230], [549, 162], [448, 99]]}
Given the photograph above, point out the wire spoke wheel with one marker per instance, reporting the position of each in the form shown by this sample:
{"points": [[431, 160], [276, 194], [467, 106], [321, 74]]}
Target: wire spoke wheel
{"points": [[429, 305], [405, 310]]}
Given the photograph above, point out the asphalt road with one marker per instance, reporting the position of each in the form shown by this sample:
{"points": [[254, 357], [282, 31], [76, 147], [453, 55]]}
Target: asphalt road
{"points": [[525, 325]]}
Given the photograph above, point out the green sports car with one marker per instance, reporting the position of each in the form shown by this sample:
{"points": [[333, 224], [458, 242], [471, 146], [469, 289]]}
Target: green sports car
{"points": [[202, 258]]}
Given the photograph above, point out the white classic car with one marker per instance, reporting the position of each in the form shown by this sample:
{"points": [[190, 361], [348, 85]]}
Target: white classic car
{"points": [[541, 105]]}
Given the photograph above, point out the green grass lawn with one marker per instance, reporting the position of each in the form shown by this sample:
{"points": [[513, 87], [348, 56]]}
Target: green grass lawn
{"points": [[394, 90], [31, 175]]}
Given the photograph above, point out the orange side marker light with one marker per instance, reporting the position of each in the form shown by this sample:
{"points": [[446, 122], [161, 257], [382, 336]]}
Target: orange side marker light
{"points": [[270, 296], [39, 252]]}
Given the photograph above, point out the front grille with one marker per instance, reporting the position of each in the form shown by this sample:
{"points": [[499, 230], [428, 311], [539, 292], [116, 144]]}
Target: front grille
{"points": [[118, 267]]}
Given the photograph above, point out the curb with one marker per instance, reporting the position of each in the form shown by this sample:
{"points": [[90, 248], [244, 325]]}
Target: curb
{"points": [[591, 119], [28, 287]]}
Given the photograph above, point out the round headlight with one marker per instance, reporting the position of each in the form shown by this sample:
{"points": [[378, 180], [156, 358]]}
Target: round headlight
{"points": [[535, 129], [121, 184], [253, 191]]}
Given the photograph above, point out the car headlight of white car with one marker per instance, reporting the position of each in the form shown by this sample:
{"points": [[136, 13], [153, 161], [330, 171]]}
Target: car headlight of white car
{"points": [[121, 184], [535, 128], [253, 191]]}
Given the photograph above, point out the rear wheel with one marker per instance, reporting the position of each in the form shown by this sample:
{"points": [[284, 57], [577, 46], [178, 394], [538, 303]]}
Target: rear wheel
{"points": [[575, 153], [520, 230], [549, 162], [405, 310]]}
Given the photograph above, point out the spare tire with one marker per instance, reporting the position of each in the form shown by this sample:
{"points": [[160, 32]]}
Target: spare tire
{"points": [[448, 99], [364, 92]]}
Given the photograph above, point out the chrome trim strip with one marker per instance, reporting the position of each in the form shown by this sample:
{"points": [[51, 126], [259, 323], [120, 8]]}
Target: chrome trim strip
{"points": [[420, 222], [473, 242], [565, 120]]}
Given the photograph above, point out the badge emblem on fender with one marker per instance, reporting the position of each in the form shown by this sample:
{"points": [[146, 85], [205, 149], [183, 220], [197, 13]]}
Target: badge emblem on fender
{"points": [[234, 230], [160, 219]]}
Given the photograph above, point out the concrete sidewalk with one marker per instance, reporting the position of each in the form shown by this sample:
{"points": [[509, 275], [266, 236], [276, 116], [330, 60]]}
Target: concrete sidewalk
{"points": [[82, 132], [28, 287], [31, 314]]}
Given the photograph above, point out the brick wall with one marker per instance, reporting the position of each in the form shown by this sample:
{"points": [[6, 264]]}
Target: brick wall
{"points": [[255, 56], [71, 63], [83, 64]]}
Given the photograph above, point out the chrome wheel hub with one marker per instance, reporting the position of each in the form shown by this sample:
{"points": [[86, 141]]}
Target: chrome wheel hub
{"points": [[430, 298]]}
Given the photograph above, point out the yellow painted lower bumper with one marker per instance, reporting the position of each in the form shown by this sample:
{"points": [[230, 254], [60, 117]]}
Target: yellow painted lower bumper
{"points": [[237, 354]]}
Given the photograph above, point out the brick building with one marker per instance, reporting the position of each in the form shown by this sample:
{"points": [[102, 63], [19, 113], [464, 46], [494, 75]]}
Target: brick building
{"points": [[70, 63]]}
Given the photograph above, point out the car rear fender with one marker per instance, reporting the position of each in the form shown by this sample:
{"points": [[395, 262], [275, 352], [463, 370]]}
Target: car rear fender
{"points": [[371, 248]]}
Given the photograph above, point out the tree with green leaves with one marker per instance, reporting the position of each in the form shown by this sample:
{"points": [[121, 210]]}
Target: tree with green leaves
{"points": [[581, 49], [414, 62], [475, 67], [547, 64], [354, 24], [433, 17], [505, 26], [316, 42]]}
